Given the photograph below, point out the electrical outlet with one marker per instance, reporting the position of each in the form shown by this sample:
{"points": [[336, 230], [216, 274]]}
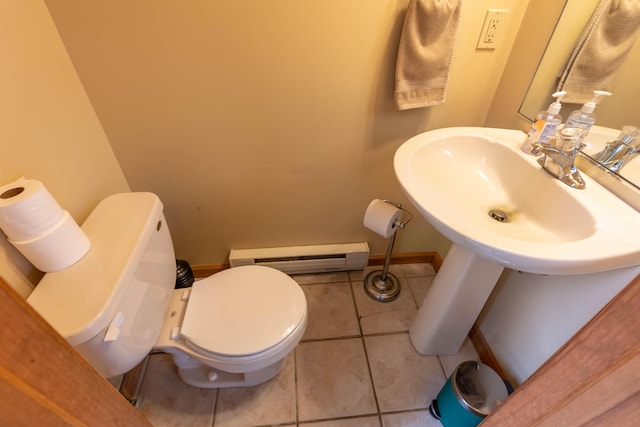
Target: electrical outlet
{"points": [[493, 21]]}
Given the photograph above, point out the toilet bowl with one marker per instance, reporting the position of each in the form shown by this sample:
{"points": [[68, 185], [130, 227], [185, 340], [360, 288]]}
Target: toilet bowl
{"points": [[118, 302], [234, 328]]}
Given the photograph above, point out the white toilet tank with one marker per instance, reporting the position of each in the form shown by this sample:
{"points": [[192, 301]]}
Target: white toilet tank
{"points": [[111, 304]]}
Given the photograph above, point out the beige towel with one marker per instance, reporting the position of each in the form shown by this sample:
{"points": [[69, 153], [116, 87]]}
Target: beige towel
{"points": [[425, 52], [600, 49]]}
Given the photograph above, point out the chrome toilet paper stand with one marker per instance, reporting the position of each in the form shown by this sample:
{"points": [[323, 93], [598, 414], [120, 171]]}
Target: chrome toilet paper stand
{"points": [[380, 284]]}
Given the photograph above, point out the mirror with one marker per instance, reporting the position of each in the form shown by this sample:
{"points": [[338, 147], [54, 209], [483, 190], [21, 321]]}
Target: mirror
{"points": [[613, 112]]}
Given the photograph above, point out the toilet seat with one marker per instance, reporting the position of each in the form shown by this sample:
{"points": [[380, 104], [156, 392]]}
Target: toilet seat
{"points": [[243, 312]]}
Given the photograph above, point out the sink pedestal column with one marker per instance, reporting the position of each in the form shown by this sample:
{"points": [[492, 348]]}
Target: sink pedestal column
{"points": [[456, 297]]}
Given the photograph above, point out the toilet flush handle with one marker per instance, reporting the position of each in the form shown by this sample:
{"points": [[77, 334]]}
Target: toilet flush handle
{"points": [[113, 332]]}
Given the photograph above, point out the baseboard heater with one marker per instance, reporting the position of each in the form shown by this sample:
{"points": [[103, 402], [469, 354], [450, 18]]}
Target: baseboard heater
{"points": [[305, 259]]}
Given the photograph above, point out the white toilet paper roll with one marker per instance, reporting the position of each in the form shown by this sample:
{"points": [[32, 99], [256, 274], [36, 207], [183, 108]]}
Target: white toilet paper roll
{"points": [[381, 217], [61, 246], [27, 210]]}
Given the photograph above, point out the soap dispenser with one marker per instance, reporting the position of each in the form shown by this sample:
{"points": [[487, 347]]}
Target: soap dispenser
{"points": [[545, 125], [584, 117]]}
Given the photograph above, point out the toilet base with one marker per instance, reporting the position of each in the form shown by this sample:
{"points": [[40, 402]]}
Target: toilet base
{"points": [[200, 375]]}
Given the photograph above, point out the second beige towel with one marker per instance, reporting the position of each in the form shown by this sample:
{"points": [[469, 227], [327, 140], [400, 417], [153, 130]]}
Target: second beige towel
{"points": [[600, 49]]}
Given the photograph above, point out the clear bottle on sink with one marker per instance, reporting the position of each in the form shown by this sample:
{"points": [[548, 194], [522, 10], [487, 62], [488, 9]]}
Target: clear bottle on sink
{"points": [[584, 117], [545, 125]]}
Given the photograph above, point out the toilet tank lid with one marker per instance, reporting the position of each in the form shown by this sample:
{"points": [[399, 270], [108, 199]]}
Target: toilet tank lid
{"points": [[81, 300]]}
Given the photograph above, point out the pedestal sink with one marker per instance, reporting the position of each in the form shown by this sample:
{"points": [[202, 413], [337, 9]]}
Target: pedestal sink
{"points": [[501, 209]]}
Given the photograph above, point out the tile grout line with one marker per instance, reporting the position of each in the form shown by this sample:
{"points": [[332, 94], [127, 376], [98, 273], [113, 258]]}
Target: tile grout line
{"points": [[366, 354], [324, 420], [355, 305], [295, 384], [215, 408]]}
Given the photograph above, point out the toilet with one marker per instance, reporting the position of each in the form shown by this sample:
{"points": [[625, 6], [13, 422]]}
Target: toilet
{"points": [[115, 305]]}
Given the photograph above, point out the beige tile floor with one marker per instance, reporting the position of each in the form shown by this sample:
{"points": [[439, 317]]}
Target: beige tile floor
{"points": [[355, 367]]}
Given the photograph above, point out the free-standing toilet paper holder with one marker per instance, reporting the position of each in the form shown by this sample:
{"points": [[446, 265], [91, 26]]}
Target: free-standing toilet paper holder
{"points": [[380, 284]]}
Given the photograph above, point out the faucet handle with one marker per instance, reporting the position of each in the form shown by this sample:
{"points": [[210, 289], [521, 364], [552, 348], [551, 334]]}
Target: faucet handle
{"points": [[630, 136], [569, 139], [620, 151], [537, 149]]}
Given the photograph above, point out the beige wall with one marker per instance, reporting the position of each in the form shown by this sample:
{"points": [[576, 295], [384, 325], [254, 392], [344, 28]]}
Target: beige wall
{"points": [[528, 48], [49, 129], [266, 123]]}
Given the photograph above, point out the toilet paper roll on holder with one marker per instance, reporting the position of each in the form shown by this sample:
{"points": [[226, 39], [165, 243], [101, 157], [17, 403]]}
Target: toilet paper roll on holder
{"points": [[380, 284], [398, 223]]}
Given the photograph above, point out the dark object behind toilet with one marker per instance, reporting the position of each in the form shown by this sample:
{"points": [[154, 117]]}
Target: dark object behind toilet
{"points": [[184, 275]]}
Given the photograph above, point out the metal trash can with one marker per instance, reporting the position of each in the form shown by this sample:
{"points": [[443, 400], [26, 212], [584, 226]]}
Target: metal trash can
{"points": [[469, 395]]}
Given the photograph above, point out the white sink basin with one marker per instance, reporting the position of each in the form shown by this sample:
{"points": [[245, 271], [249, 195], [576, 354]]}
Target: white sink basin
{"points": [[463, 180], [456, 176]]}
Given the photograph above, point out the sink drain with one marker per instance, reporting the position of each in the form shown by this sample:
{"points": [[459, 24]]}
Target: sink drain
{"points": [[499, 215]]}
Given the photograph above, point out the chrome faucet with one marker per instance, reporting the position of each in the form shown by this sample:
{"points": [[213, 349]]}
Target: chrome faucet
{"points": [[559, 156], [618, 153]]}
